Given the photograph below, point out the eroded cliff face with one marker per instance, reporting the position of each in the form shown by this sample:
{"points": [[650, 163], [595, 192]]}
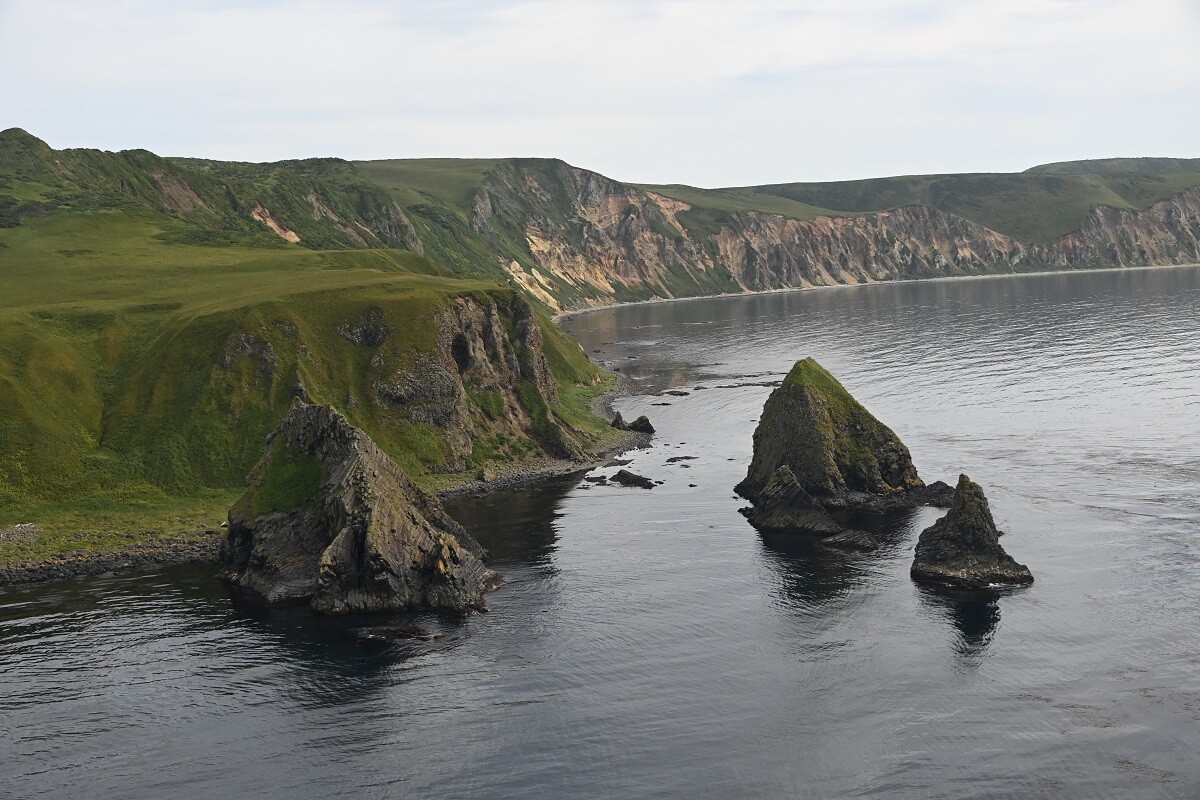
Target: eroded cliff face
{"points": [[1165, 233], [486, 380], [593, 241], [445, 383]]}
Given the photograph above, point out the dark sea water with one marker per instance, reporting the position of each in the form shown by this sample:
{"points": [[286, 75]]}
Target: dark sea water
{"points": [[652, 644]]}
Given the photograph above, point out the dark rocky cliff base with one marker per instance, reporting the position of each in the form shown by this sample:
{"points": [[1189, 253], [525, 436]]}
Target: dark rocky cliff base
{"points": [[783, 506], [962, 549], [331, 520], [200, 546]]}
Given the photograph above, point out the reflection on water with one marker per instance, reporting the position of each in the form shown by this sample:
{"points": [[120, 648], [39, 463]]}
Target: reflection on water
{"points": [[975, 614], [811, 575], [519, 525], [652, 643]]}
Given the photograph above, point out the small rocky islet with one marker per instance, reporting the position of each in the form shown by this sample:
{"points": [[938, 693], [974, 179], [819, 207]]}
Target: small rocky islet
{"points": [[328, 519], [962, 549], [817, 450]]}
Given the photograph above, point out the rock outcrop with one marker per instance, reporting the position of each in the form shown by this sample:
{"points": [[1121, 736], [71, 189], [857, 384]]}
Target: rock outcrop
{"points": [[962, 549], [783, 505], [329, 519], [626, 478], [837, 453], [639, 425], [487, 378]]}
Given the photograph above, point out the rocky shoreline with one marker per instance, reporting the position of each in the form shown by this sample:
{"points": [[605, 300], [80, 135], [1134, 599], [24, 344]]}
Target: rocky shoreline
{"points": [[202, 546]]}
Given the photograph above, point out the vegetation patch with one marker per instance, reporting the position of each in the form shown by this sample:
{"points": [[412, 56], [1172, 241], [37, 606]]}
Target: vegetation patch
{"points": [[291, 481]]}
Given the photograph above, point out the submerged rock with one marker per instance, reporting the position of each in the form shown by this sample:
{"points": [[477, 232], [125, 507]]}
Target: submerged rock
{"points": [[962, 549], [639, 425], [851, 539], [627, 478], [329, 519], [392, 632], [839, 454]]}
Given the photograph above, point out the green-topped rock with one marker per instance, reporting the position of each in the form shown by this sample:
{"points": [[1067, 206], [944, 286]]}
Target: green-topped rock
{"points": [[329, 519], [837, 451], [962, 549]]}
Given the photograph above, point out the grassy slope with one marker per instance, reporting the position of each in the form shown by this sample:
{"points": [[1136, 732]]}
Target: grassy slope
{"points": [[418, 180], [117, 423], [1109, 166]]}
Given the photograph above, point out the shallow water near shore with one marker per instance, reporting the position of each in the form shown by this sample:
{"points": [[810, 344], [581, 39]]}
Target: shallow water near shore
{"points": [[652, 644]]}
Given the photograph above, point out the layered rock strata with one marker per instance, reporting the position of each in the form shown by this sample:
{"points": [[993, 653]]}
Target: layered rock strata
{"points": [[593, 240], [329, 519]]}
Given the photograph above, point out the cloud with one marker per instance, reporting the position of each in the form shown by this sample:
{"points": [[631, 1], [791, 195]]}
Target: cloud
{"points": [[710, 93]]}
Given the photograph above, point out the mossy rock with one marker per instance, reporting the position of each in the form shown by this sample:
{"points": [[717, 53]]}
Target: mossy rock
{"points": [[828, 440]]}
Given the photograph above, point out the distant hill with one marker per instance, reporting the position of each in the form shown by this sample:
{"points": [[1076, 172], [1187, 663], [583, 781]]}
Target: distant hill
{"points": [[1036, 206], [1110, 166]]}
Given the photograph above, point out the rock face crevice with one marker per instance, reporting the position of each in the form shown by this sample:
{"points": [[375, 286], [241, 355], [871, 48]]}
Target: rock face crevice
{"points": [[962, 549], [329, 519]]}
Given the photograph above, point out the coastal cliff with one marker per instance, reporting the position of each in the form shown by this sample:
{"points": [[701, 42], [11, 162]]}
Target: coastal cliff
{"points": [[571, 238], [592, 240]]}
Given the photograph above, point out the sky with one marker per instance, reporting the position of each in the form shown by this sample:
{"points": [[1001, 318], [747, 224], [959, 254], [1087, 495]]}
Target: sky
{"points": [[702, 93]]}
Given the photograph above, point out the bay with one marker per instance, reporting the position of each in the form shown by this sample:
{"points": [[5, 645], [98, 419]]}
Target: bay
{"points": [[652, 644]]}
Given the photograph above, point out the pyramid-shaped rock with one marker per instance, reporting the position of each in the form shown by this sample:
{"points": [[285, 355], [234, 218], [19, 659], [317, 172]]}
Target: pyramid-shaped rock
{"points": [[331, 520], [838, 452], [962, 549]]}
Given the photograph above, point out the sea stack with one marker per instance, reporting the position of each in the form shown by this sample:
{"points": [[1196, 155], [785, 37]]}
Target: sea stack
{"points": [[840, 455], [962, 549], [329, 519]]}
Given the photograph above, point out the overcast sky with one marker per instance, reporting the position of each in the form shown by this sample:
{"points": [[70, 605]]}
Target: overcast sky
{"points": [[705, 93]]}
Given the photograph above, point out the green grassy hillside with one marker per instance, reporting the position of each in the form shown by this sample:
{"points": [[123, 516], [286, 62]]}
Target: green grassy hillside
{"points": [[1109, 166], [316, 203], [139, 375]]}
